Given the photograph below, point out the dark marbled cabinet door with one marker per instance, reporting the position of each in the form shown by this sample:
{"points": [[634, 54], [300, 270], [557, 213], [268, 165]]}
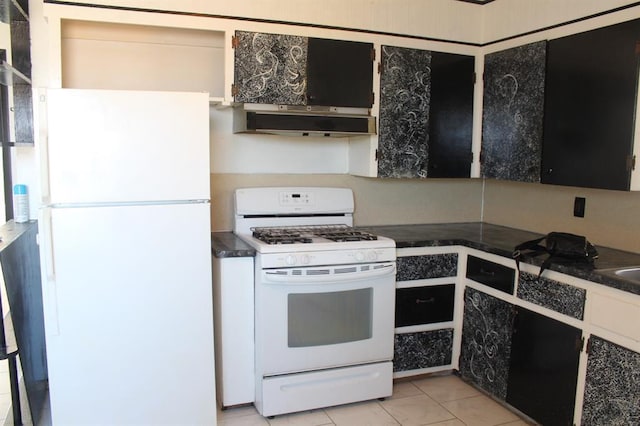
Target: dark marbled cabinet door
{"points": [[612, 388], [422, 349], [554, 295], [427, 266], [270, 68], [451, 115], [590, 107], [486, 341], [405, 92], [512, 118]]}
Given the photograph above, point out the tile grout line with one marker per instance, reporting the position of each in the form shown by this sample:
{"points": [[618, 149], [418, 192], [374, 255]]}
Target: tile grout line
{"points": [[440, 404], [431, 398]]}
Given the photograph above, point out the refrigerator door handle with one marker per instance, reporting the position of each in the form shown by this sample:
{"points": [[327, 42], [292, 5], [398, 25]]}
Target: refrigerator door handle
{"points": [[48, 245], [49, 267], [44, 148]]}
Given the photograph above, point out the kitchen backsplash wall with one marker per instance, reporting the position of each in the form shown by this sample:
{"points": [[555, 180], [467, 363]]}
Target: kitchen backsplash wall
{"points": [[377, 201], [612, 218]]}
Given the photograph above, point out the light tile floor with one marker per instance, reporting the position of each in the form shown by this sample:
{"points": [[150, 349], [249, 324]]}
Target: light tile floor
{"points": [[433, 400]]}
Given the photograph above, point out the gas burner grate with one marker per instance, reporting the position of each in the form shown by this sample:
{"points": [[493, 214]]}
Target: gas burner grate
{"points": [[348, 235], [280, 236], [305, 234]]}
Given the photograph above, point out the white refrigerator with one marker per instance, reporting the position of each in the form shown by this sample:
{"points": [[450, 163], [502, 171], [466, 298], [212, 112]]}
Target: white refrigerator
{"points": [[126, 258]]}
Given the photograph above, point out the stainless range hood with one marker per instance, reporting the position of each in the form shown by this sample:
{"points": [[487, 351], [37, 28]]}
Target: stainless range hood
{"points": [[303, 121]]}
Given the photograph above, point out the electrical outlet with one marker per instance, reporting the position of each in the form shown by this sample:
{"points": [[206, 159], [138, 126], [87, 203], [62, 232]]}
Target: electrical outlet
{"points": [[579, 206]]}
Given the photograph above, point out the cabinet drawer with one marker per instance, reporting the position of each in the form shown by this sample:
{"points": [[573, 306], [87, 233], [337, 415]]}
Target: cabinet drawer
{"points": [[424, 305], [491, 274], [616, 315], [424, 349], [427, 266], [554, 295]]}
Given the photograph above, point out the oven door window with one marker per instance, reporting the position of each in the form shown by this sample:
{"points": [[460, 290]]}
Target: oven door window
{"points": [[316, 319]]}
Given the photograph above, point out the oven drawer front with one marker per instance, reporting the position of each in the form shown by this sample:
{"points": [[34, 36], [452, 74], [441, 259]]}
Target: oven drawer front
{"points": [[307, 391], [424, 305]]}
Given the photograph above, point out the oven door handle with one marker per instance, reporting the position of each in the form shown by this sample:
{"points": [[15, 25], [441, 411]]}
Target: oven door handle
{"points": [[273, 277]]}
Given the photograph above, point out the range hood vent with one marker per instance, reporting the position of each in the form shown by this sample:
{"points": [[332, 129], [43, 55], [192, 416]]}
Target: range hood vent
{"points": [[303, 121]]}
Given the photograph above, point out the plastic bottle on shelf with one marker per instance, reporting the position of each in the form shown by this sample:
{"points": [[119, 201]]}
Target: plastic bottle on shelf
{"points": [[20, 203]]}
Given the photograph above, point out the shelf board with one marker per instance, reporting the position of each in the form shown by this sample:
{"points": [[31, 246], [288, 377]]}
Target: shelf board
{"points": [[11, 10], [214, 100], [23, 144], [9, 76], [221, 103]]}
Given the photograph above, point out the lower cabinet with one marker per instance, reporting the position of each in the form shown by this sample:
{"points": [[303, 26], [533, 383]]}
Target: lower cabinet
{"points": [[543, 368], [612, 387], [234, 330], [425, 305], [491, 274], [521, 357], [550, 294], [486, 341], [424, 349]]}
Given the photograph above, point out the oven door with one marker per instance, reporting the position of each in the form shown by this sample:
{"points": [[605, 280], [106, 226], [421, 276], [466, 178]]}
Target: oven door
{"points": [[324, 317]]}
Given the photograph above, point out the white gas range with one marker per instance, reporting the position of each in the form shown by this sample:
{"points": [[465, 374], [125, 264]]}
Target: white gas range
{"points": [[324, 299]]}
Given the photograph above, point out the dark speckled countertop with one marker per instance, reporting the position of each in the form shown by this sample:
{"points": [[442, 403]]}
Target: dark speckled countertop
{"points": [[226, 244], [499, 240]]}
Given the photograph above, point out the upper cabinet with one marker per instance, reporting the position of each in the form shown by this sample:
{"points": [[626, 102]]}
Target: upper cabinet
{"points": [[512, 115], [340, 73], [590, 105], [563, 111], [451, 115], [291, 70], [426, 105], [270, 68], [405, 98]]}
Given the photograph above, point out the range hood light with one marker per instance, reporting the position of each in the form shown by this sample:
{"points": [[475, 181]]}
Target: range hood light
{"points": [[303, 121]]}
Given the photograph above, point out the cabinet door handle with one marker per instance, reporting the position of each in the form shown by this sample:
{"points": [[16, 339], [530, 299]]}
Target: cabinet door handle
{"points": [[486, 272], [429, 300]]}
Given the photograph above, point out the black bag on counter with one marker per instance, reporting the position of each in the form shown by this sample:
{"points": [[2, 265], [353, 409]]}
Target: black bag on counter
{"points": [[563, 248]]}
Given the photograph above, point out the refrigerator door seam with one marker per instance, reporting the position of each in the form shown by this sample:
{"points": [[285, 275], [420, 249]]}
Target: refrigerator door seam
{"points": [[126, 203]]}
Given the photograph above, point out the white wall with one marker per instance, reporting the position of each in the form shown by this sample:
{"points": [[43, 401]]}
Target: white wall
{"points": [[446, 19], [506, 18]]}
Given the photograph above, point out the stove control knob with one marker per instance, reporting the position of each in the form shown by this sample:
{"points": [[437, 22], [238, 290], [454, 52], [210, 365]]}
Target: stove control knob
{"points": [[290, 260], [359, 256], [372, 255], [305, 259]]}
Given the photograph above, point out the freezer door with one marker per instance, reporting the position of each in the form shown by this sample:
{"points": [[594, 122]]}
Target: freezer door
{"points": [[126, 146], [128, 315]]}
